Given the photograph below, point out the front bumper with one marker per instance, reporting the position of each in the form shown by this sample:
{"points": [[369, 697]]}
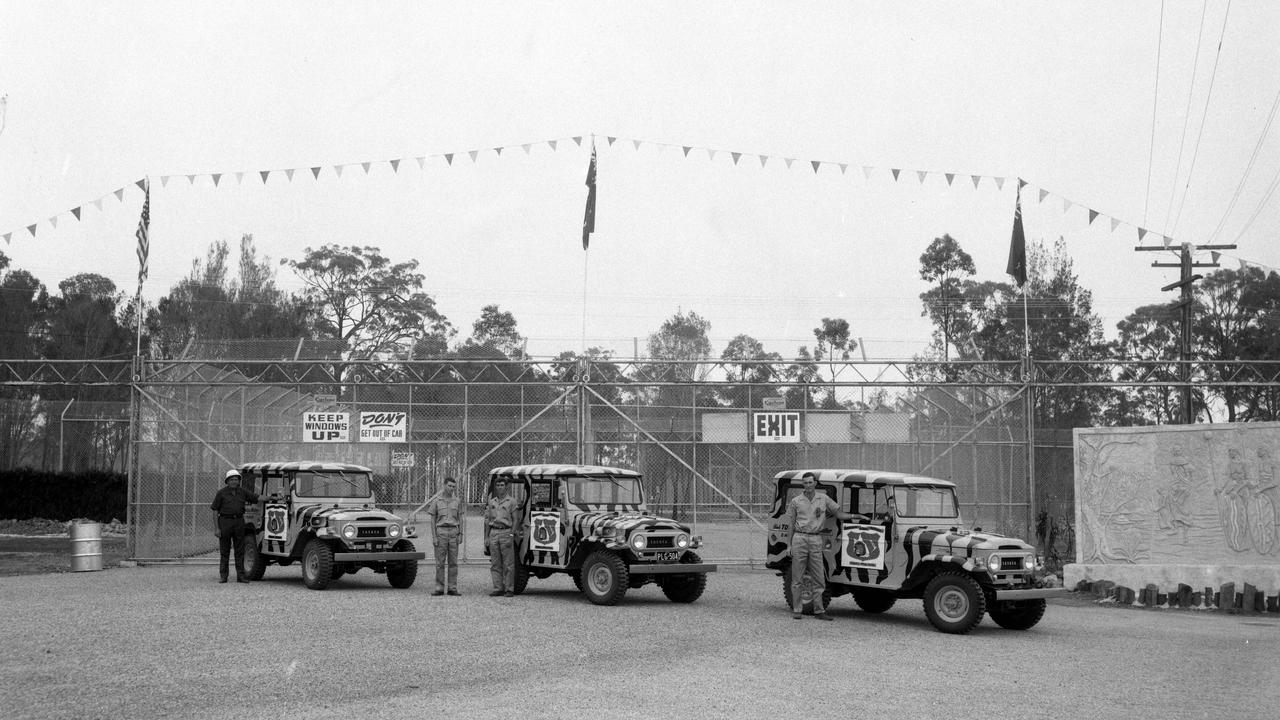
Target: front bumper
{"points": [[1031, 594], [672, 569], [377, 556]]}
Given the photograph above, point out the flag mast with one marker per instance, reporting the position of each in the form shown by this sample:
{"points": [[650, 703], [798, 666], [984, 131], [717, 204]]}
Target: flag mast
{"points": [[588, 227]]}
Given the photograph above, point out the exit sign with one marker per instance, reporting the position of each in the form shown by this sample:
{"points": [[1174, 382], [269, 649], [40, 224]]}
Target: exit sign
{"points": [[776, 427]]}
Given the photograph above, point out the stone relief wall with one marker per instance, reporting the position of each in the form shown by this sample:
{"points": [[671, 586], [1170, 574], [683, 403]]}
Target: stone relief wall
{"points": [[1178, 495]]}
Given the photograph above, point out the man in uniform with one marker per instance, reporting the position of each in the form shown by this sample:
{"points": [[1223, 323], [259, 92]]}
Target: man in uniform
{"points": [[806, 514], [228, 511], [501, 518], [446, 513]]}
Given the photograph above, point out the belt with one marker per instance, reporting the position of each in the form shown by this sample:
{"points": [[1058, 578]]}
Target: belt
{"points": [[446, 527], [802, 532], [230, 516]]}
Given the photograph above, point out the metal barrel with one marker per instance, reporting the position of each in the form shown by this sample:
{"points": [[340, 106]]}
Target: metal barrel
{"points": [[86, 546]]}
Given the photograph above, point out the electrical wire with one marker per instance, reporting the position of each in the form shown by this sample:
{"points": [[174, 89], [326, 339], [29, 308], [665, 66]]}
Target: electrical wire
{"points": [[1186, 114], [1204, 116], [1155, 98], [1257, 148]]}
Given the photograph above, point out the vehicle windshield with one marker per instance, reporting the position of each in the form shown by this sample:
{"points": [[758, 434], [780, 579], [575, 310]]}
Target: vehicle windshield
{"points": [[602, 491], [335, 484], [926, 502]]}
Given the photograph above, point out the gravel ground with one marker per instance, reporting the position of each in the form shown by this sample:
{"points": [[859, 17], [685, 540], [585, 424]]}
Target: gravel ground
{"points": [[170, 642]]}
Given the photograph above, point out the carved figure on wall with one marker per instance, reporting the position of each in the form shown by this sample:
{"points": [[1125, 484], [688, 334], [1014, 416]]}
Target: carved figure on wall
{"points": [[1269, 490], [1247, 509], [1231, 507], [1172, 513], [1109, 496]]}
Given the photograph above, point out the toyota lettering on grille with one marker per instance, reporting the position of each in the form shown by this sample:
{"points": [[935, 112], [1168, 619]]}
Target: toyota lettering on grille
{"points": [[367, 532]]}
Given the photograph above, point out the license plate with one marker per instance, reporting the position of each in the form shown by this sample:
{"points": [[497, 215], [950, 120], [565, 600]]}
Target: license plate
{"points": [[667, 557]]}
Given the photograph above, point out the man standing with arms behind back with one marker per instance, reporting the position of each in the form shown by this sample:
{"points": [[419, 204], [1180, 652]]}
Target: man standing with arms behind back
{"points": [[228, 512], [500, 517], [806, 514], [446, 513]]}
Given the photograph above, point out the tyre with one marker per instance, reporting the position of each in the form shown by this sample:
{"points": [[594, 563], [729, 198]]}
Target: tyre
{"points": [[807, 607], [577, 578], [604, 578], [873, 601], [522, 578], [254, 560], [954, 602], [685, 588], [402, 573], [1017, 614], [317, 564]]}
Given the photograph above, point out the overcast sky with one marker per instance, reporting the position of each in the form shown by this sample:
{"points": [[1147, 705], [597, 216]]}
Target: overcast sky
{"points": [[1099, 106]]}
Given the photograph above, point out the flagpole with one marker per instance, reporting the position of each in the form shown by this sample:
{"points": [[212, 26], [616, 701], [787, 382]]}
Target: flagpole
{"points": [[586, 254]]}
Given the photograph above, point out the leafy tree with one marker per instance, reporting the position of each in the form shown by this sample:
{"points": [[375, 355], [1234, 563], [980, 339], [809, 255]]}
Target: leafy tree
{"points": [[949, 267], [497, 329], [1236, 316], [374, 307], [23, 302], [1149, 333], [833, 336], [682, 337], [757, 366]]}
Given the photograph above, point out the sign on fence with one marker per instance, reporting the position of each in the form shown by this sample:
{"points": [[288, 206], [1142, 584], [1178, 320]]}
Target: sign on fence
{"points": [[403, 459], [326, 427], [384, 427], [776, 427]]}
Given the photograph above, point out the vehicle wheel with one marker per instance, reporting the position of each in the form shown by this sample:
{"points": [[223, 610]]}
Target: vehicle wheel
{"points": [[254, 560], [806, 608], [577, 578], [522, 578], [873, 601], [954, 602], [317, 564], [604, 578], [685, 588], [402, 573], [1017, 614]]}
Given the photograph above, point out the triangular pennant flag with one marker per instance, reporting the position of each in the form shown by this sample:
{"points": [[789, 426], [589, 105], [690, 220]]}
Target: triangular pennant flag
{"points": [[120, 193], [1163, 238], [526, 148], [1093, 215], [366, 165], [395, 166], [31, 229], [735, 156], [843, 167], [711, 154], [1066, 205], [1215, 255], [552, 143], [498, 150], [448, 158], [338, 169], [473, 154], [686, 150], [6, 237], [54, 221], [239, 178], [815, 164], [76, 211], [922, 174], [895, 172], [422, 161], [1043, 194], [999, 183], [216, 178], [636, 143], [142, 184], [866, 171], [164, 180], [610, 139], [288, 174], [315, 173], [191, 179], [949, 177], [788, 161], [264, 174], [976, 179], [577, 140], [1114, 224], [763, 159], [1142, 232], [1021, 183], [98, 203]]}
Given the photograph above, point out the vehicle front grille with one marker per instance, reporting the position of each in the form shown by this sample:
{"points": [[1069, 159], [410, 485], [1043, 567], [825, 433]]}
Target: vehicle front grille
{"points": [[660, 541], [1010, 563], [368, 532]]}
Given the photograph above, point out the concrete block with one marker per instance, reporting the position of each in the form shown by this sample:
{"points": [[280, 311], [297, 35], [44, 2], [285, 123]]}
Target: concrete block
{"points": [[1227, 597], [1184, 596], [1248, 598]]}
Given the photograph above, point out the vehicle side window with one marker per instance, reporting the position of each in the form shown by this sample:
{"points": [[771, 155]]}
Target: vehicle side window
{"points": [[880, 509], [862, 501], [542, 493]]}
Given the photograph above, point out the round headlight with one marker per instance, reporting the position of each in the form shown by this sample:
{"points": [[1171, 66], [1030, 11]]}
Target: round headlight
{"points": [[682, 541], [317, 521], [1029, 562], [638, 541], [393, 531], [348, 531], [993, 563]]}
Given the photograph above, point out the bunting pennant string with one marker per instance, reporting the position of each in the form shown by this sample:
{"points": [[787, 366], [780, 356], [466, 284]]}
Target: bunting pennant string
{"points": [[636, 144]]}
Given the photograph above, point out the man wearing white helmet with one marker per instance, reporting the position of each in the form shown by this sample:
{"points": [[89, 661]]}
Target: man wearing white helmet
{"points": [[228, 511]]}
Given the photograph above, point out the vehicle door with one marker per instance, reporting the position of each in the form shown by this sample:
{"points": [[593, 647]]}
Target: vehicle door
{"points": [[547, 539], [864, 544]]}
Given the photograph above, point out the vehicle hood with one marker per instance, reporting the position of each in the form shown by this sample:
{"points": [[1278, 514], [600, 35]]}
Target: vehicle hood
{"points": [[345, 514], [930, 540], [624, 523]]}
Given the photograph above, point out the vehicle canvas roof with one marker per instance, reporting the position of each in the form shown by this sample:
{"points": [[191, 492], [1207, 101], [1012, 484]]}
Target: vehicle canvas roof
{"points": [[551, 472], [862, 477], [303, 466]]}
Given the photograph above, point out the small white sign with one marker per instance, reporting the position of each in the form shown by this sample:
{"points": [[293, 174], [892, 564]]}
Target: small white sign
{"points": [[326, 427], [862, 546], [544, 529], [774, 403], [403, 459], [384, 427], [776, 427], [326, 399]]}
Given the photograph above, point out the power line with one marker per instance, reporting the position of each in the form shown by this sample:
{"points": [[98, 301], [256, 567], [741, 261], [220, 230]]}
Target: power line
{"points": [[1155, 97], [1203, 119], [1257, 147], [1186, 114]]}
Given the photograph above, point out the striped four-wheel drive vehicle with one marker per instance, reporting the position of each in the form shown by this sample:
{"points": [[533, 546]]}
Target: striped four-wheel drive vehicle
{"points": [[592, 523], [907, 541], [324, 516]]}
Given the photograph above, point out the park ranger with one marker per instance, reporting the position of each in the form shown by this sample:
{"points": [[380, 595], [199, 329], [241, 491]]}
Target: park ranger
{"points": [[228, 512], [501, 516], [806, 514], [447, 514]]}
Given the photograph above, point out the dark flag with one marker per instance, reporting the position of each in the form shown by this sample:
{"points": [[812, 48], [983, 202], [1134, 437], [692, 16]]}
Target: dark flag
{"points": [[144, 234], [589, 220], [1018, 244]]}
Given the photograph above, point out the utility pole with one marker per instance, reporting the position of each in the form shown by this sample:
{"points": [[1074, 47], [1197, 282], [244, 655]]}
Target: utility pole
{"points": [[1185, 264]]}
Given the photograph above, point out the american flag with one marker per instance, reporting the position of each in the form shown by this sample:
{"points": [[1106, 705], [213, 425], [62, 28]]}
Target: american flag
{"points": [[589, 218], [144, 233]]}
